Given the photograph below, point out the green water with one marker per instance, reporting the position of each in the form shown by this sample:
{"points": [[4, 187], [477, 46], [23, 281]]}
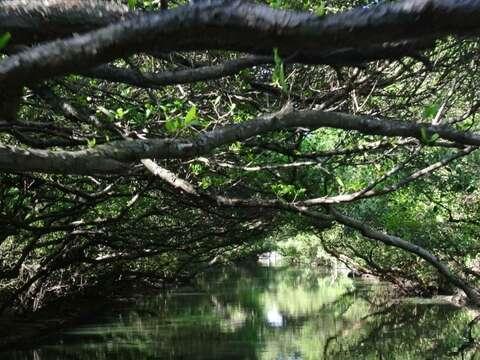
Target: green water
{"points": [[267, 314]]}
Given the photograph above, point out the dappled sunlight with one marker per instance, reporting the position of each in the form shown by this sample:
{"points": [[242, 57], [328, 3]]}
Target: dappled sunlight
{"points": [[300, 299]]}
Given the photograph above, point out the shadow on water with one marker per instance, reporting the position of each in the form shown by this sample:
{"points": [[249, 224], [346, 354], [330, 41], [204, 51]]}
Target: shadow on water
{"points": [[270, 314]]}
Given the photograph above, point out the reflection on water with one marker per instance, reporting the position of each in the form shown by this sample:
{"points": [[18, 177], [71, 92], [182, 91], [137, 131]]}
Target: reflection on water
{"points": [[268, 314], [274, 317]]}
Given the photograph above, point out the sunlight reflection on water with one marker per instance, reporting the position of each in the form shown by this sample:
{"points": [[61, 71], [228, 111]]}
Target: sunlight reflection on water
{"points": [[274, 317], [263, 313]]}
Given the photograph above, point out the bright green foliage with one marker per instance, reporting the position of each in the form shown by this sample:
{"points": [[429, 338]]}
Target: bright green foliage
{"points": [[91, 143], [190, 117], [278, 75], [174, 123], [320, 9], [4, 39], [288, 191], [132, 4], [431, 110]]}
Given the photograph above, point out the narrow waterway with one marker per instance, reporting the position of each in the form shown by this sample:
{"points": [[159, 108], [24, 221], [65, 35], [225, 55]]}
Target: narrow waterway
{"points": [[269, 314]]}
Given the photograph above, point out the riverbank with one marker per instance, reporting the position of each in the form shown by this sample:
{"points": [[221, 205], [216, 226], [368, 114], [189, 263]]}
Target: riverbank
{"points": [[27, 329], [21, 331]]}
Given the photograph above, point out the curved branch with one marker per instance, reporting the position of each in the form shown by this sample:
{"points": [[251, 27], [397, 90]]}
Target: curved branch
{"points": [[370, 192], [231, 25], [397, 242], [185, 186], [33, 21], [154, 80], [117, 154]]}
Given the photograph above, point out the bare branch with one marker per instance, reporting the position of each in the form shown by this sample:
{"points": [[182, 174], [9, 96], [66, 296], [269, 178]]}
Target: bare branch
{"points": [[368, 192]]}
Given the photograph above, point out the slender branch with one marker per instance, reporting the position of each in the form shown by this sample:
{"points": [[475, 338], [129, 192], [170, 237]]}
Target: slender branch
{"points": [[400, 243], [368, 192], [154, 80]]}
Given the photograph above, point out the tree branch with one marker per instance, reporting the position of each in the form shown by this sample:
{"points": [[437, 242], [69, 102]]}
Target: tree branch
{"points": [[154, 80], [369, 192], [116, 155], [232, 25], [397, 242], [31, 21]]}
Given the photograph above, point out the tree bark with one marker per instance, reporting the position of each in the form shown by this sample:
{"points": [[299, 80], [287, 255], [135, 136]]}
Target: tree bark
{"points": [[115, 157], [231, 25]]}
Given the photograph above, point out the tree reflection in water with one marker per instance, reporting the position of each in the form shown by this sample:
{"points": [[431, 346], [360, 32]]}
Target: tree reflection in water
{"points": [[271, 314]]}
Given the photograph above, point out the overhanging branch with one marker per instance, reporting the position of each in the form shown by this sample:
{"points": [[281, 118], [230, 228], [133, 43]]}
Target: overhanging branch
{"points": [[231, 25], [417, 250], [116, 156]]}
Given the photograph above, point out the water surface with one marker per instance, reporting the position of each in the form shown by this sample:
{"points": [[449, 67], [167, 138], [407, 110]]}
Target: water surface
{"points": [[268, 314]]}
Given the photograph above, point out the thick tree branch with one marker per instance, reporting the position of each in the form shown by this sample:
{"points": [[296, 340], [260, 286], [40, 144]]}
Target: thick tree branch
{"points": [[232, 25], [115, 156], [31, 21]]}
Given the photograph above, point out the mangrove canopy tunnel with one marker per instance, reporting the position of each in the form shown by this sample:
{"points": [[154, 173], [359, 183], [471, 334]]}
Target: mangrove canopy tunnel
{"points": [[144, 141]]}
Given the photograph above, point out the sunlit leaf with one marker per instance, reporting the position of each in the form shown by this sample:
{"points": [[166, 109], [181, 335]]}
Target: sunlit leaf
{"points": [[4, 39], [426, 138], [132, 4], [172, 125], [191, 116], [320, 9], [340, 182], [278, 75], [431, 111]]}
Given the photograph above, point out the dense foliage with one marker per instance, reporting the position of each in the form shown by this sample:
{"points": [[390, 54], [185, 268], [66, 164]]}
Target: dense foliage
{"points": [[124, 158]]}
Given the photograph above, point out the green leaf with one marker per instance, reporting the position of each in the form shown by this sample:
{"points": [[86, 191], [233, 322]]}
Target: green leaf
{"points": [[120, 113], [172, 125], [148, 112], [423, 133], [340, 182], [426, 138], [235, 147], [196, 168], [4, 39], [132, 4], [91, 143], [191, 116], [431, 111], [206, 182], [276, 4], [320, 9], [278, 76]]}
